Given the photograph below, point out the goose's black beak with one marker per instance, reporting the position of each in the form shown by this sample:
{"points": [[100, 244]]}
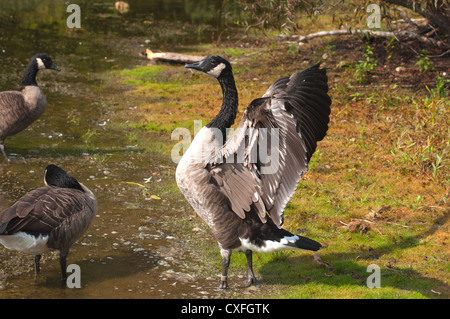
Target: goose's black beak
{"points": [[54, 67], [195, 66]]}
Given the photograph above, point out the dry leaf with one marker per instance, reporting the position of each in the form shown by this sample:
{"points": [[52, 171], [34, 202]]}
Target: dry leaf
{"points": [[358, 225], [378, 214], [353, 226], [318, 260]]}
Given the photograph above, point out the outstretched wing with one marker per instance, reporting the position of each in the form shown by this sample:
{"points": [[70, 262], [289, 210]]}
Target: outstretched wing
{"points": [[40, 210], [273, 143]]}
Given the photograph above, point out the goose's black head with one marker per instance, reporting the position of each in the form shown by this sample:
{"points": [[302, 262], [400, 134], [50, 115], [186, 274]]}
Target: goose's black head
{"points": [[55, 176], [38, 62], [213, 65], [43, 61]]}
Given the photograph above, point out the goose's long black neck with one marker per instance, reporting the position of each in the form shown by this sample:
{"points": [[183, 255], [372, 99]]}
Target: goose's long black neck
{"points": [[29, 77], [227, 114]]}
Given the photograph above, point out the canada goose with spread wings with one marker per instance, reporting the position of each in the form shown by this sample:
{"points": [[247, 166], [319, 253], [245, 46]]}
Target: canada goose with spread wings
{"points": [[237, 190], [48, 218], [18, 109]]}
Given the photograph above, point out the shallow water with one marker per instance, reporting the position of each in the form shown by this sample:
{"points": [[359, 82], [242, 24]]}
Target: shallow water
{"points": [[132, 249]]}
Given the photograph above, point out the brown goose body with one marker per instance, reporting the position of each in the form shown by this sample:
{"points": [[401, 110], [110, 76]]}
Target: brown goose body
{"points": [[237, 192], [18, 109], [48, 218]]}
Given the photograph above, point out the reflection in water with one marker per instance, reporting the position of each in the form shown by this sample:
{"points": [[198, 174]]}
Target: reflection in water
{"points": [[131, 250]]}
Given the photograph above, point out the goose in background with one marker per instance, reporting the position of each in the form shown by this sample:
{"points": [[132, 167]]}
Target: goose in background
{"points": [[48, 218], [243, 203], [18, 109]]}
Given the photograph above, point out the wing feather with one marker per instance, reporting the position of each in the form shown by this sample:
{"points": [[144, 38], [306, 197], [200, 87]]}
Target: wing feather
{"points": [[40, 210], [290, 118]]}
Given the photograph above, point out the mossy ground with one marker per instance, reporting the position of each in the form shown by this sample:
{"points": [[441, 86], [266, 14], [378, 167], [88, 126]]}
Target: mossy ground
{"points": [[383, 167]]}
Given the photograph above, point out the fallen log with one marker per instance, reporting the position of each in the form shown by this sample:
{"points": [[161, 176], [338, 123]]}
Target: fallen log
{"points": [[171, 57], [399, 35]]}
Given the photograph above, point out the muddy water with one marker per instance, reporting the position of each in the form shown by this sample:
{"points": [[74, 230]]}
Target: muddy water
{"points": [[133, 249]]}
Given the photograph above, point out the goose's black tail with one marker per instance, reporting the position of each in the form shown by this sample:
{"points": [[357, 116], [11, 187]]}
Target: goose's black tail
{"points": [[267, 237], [305, 243]]}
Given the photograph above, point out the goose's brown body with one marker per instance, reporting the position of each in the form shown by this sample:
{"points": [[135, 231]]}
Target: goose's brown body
{"points": [[61, 215], [49, 218], [19, 109]]}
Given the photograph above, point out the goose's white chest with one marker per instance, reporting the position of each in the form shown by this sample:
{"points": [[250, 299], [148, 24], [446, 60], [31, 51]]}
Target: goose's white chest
{"points": [[35, 101], [192, 176]]}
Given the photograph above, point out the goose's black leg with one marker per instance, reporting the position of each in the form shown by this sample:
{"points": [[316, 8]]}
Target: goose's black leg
{"points": [[226, 254], [37, 267], [62, 263], [251, 279], [2, 148]]}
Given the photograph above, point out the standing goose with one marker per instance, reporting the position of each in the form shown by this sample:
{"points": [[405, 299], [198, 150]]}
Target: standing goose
{"points": [[18, 109], [239, 195], [48, 218]]}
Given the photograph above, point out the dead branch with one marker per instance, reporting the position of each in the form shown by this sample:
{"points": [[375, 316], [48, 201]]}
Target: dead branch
{"points": [[171, 57], [399, 35], [406, 18], [414, 21]]}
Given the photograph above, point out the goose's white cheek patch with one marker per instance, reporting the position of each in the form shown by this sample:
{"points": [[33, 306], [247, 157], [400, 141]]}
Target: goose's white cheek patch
{"points": [[40, 64], [217, 70]]}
